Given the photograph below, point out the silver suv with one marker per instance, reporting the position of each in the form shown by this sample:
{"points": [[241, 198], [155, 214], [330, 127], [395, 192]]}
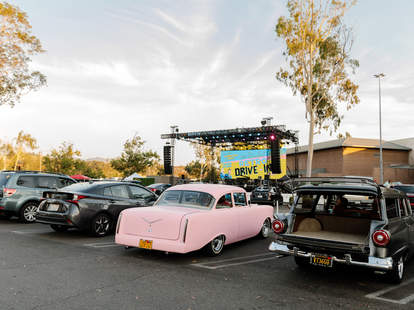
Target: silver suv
{"points": [[21, 191]]}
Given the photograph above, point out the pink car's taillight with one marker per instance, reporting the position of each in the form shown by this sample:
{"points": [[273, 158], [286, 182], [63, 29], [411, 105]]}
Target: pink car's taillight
{"points": [[118, 223], [185, 230]]}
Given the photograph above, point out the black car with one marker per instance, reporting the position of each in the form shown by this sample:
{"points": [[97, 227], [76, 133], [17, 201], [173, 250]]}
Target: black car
{"points": [[266, 194], [93, 206], [158, 188], [350, 221], [21, 191]]}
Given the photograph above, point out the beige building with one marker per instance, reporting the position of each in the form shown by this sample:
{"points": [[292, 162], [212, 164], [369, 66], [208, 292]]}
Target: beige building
{"points": [[355, 156]]}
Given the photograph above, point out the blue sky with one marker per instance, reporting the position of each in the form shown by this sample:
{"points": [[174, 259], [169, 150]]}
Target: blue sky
{"points": [[116, 68]]}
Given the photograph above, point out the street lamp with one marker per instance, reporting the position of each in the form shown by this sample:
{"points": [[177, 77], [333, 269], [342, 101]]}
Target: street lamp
{"points": [[379, 76]]}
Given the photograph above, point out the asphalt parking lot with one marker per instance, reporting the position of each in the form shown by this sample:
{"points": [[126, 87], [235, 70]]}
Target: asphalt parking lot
{"points": [[42, 269]]}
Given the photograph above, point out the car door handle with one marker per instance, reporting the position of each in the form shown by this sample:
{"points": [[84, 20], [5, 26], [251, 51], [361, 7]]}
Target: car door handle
{"points": [[111, 201]]}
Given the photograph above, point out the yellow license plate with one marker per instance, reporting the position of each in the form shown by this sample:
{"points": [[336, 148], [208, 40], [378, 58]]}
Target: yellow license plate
{"points": [[145, 244], [321, 260]]}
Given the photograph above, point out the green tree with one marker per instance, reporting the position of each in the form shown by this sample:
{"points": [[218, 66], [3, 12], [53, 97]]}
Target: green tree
{"points": [[17, 45], [317, 49], [195, 169], [21, 142], [209, 159], [91, 169], [6, 151], [134, 158], [65, 159]]}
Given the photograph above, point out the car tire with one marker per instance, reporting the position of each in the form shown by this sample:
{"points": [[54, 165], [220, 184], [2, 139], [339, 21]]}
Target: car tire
{"points": [[266, 229], [28, 212], [215, 246], [101, 225], [59, 228], [302, 262], [396, 274]]}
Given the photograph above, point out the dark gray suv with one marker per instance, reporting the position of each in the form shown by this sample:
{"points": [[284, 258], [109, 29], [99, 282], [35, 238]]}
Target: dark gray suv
{"points": [[21, 191]]}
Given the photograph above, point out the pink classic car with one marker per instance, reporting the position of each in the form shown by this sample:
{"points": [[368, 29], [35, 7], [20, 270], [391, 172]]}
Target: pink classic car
{"points": [[189, 217]]}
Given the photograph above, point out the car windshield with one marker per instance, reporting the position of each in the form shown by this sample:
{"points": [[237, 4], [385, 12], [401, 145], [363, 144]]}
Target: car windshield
{"points": [[340, 204], [4, 177], [188, 199], [405, 188]]}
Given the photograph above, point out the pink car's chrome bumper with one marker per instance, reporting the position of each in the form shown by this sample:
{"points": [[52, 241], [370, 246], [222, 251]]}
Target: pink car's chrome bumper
{"points": [[175, 246]]}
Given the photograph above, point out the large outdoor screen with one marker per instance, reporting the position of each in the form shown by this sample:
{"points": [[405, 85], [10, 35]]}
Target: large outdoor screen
{"points": [[249, 163]]}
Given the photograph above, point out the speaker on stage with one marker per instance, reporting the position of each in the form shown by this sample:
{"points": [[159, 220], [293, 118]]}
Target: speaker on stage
{"points": [[275, 155], [167, 159]]}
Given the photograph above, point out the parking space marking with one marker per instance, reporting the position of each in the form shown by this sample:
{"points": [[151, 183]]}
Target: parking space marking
{"points": [[101, 245], [237, 261], [403, 301], [31, 231]]}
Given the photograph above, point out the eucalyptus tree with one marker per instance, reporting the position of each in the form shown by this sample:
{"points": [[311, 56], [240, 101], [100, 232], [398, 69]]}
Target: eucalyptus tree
{"points": [[22, 142], [134, 158], [17, 45], [317, 48]]}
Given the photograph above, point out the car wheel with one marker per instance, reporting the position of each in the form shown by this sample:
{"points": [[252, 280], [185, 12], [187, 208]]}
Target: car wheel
{"points": [[101, 225], [301, 261], [396, 274], [215, 246], [28, 212], [266, 229], [59, 228]]}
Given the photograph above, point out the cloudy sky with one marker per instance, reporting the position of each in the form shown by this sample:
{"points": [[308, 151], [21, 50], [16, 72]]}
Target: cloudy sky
{"points": [[116, 68]]}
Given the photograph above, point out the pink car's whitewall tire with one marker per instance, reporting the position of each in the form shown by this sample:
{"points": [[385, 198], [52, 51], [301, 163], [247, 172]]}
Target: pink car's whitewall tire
{"points": [[266, 229], [215, 246]]}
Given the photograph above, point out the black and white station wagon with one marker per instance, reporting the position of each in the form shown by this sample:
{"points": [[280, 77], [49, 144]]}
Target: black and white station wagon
{"points": [[351, 221]]}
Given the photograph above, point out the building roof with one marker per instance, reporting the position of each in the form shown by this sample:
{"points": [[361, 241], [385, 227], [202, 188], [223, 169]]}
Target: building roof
{"points": [[351, 142]]}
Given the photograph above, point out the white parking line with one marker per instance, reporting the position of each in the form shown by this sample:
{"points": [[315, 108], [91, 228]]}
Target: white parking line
{"points": [[403, 301], [101, 245], [237, 261], [30, 231]]}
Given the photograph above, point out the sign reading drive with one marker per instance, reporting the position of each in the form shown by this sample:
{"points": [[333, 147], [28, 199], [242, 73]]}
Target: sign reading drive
{"points": [[249, 163]]}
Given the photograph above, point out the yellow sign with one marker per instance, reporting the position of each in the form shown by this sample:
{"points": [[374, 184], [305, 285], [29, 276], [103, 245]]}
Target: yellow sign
{"points": [[253, 164]]}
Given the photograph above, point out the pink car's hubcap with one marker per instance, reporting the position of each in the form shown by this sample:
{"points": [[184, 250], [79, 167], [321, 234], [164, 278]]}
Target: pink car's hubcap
{"points": [[217, 244]]}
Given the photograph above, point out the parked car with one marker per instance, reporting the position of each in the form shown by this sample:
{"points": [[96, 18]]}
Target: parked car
{"points": [[93, 206], [158, 188], [193, 216], [267, 194], [21, 191], [347, 221], [408, 189]]}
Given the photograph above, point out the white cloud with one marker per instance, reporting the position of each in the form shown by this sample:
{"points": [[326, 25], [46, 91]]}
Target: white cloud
{"points": [[209, 65]]}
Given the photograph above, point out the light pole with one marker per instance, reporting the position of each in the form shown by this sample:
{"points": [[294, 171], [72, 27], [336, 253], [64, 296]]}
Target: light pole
{"points": [[379, 76]]}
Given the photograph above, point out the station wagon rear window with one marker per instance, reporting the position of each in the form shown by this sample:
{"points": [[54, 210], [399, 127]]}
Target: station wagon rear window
{"points": [[191, 199], [340, 204]]}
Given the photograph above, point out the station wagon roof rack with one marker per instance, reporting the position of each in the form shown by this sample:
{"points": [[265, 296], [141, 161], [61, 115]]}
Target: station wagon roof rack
{"points": [[344, 179]]}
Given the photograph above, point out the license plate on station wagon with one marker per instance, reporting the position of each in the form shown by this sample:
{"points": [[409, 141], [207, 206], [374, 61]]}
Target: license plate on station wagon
{"points": [[321, 260], [52, 207], [145, 244]]}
